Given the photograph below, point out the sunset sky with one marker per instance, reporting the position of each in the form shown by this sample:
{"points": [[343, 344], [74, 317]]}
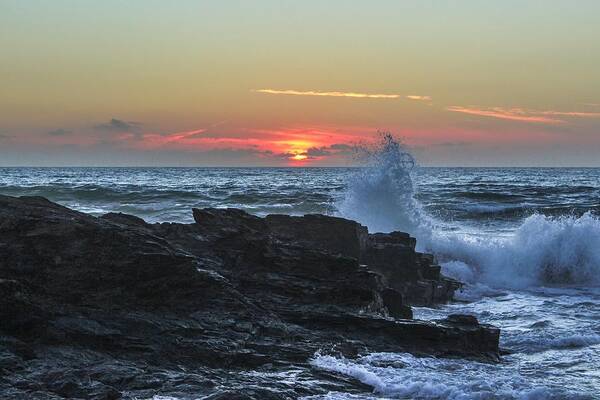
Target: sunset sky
{"points": [[298, 83]]}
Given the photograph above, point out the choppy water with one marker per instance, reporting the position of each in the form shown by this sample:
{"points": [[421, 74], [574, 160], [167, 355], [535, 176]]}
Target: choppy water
{"points": [[526, 240]]}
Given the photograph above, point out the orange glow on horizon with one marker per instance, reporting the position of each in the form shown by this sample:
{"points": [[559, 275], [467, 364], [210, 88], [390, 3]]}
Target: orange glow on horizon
{"points": [[299, 157], [291, 145]]}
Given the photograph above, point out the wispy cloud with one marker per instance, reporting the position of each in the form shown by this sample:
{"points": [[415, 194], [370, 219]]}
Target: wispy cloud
{"points": [[524, 115], [418, 97], [343, 94], [177, 136], [513, 114], [158, 140], [571, 114]]}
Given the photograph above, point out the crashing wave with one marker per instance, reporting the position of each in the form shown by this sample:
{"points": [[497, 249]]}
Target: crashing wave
{"points": [[381, 194], [406, 376], [543, 250]]}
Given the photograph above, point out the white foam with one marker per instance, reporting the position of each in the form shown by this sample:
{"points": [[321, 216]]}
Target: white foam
{"points": [[459, 270], [543, 250], [381, 195], [430, 378]]}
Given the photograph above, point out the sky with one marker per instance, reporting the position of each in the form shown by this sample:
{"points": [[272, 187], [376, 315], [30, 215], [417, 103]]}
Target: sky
{"points": [[298, 83]]}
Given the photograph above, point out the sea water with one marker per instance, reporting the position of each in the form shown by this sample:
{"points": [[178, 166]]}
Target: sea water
{"points": [[526, 241]]}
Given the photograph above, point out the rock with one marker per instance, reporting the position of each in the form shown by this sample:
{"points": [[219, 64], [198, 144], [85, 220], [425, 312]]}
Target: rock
{"points": [[392, 300], [113, 307], [462, 319], [334, 235], [18, 313], [415, 275], [124, 219]]}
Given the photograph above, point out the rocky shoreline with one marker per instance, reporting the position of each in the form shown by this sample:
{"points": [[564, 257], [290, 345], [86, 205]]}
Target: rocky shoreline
{"points": [[232, 306]]}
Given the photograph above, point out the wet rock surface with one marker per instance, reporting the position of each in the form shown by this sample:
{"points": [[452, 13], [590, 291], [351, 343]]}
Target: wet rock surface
{"points": [[230, 307]]}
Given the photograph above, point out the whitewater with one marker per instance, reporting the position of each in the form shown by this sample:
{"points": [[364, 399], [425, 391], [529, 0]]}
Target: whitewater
{"points": [[526, 241]]}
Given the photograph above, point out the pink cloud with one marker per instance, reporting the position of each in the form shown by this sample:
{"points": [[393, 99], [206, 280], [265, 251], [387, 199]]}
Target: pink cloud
{"points": [[572, 114], [513, 114], [524, 115], [342, 94], [294, 144]]}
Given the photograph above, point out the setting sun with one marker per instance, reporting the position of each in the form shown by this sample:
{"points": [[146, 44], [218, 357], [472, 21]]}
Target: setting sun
{"points": [[299, 157]]}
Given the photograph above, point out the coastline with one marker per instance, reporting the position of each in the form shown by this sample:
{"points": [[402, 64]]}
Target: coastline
{"points": [[113, 307]]}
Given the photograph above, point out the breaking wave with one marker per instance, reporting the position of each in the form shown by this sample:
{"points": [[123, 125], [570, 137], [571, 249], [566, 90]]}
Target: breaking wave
{"points": [[543, 250], [403, 376]]}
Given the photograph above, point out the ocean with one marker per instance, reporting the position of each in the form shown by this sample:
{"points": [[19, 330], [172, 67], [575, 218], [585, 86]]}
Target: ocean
{"points": [[526, 241]]}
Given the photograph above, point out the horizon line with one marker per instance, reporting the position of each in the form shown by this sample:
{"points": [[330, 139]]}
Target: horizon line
{"points": [[294, 166]]}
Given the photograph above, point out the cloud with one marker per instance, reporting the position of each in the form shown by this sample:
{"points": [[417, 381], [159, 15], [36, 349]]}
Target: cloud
{"points": [[513, 114], [571, 114], [342, 147], [326, 151], [177, 136], [3, 136], [318, 152], [292, 144], [58, 132], [525, 115], [117, 125], [301, 155], [342, 94], [417, 97]]}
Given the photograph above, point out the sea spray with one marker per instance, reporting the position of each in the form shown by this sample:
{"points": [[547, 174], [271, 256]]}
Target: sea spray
{"points": [[381, 194], [542, 250]]}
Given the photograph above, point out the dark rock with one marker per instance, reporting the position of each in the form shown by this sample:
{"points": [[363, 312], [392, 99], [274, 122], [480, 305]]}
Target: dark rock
{"points": [[124, 219], [415, 275], [463, 319], [392, 300], [18, 312], [334, 235], [114, 307]]}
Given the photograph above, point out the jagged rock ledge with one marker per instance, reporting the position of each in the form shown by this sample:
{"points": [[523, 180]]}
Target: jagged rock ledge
{"points": [[231, 306]]}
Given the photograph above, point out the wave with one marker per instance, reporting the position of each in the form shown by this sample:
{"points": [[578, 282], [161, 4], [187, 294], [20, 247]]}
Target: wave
{"points": [[478, 210], [402, 376], [538, 344], [100, 193], [166, 201], [490, 196], [510, 192], [512, 212], [543, 250]]}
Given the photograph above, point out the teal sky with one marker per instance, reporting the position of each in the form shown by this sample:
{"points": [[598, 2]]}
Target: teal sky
{"points": [[292, 83]]}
